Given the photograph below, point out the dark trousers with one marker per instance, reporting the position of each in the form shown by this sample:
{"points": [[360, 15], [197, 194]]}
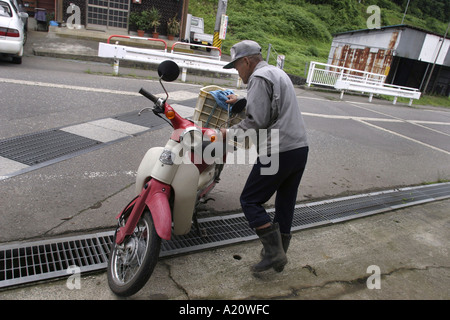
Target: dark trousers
{"points": [[285, 182]]}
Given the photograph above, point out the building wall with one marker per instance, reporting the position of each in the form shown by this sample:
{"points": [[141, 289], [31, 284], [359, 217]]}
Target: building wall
{"points": [[434, 50], [408, 45], [167, 8], [366, 51], [405, 55]]}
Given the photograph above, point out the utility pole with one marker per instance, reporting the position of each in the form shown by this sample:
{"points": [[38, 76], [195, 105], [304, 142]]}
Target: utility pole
{"points": [[404, 14], [221, 9]]}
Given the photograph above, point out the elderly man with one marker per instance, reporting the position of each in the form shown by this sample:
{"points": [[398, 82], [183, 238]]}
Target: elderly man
{"points": [[271, 105]]}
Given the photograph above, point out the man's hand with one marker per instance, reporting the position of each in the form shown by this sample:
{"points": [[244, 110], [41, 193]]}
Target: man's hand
{"points": [[232, 99]]}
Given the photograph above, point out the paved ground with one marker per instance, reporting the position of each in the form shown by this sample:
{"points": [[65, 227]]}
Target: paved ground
{"points": [[407, 246]]}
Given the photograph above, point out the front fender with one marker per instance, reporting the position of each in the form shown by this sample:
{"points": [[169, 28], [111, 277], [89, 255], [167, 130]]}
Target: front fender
{"points": [[155, 195], [158, 203]]}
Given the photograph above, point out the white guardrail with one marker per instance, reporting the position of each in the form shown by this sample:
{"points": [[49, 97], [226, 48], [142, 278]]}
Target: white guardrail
{"points": [[346, 79], [154, 56]]}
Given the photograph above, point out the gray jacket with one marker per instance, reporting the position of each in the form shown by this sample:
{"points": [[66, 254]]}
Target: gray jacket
{"points": [[272, 104]]}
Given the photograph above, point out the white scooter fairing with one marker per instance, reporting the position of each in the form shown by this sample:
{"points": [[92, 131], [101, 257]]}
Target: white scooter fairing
{"points": [[182, 177]]}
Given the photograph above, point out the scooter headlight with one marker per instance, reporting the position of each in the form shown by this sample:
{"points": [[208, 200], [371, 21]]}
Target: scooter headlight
{"points": [[167, 157], [191, 138]]}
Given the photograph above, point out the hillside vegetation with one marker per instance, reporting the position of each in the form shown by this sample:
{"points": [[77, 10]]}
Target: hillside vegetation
{"points": [[302, 29]]}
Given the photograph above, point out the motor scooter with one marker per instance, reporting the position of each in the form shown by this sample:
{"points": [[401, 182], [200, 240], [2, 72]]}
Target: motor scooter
{"points": [[172, 181]]}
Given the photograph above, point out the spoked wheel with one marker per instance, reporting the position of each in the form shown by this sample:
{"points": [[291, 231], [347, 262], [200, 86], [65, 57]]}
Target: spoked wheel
{"points": [[132, 262]]}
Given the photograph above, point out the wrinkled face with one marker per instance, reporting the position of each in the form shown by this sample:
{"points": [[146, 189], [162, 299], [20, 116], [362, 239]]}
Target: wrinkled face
{"points": [[243, 66]]}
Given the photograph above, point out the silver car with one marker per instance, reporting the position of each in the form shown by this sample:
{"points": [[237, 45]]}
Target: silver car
{"points": [[12, 31]]}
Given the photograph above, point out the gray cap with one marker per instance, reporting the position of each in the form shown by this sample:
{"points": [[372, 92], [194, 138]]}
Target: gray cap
{"points": [[242, 49]]}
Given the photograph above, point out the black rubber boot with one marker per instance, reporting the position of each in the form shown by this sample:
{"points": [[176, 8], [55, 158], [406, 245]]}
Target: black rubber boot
{"points": [[285, 241], [274, 255]]}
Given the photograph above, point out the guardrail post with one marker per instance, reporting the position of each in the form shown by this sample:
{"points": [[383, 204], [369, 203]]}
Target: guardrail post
{"points": [[183, 74], [310, 73], [116, 64], [239, 82]]}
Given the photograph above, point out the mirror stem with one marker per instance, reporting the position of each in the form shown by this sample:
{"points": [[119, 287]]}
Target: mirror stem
{"points": [[167, 94]]}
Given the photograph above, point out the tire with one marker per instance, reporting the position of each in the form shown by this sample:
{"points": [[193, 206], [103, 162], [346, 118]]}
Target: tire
{"points": [[126, 275]]}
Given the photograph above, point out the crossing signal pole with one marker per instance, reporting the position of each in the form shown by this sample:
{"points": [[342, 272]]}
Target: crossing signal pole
{"points": [[218, 36]]}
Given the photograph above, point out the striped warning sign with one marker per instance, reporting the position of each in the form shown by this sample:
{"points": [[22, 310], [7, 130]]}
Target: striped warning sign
{"points": [[216, 41]]}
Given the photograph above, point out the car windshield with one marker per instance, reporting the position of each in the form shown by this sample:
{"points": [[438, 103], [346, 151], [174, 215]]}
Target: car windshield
{"points": [[5, 10]]}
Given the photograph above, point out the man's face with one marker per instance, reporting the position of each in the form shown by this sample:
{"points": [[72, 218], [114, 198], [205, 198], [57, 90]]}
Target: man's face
{"points": [[243, 67]]}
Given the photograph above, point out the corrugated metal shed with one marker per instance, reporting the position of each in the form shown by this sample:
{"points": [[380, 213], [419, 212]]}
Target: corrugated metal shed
{"points": [[393, 49]]}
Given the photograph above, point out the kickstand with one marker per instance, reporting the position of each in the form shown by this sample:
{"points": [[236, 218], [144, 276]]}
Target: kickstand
{"points": [[200, 231]]}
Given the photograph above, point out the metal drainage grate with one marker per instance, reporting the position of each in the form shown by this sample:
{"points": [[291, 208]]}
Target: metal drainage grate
{"points": [[146, 119], [40, 147], [49, 259], [47, 147], [35, 261]]}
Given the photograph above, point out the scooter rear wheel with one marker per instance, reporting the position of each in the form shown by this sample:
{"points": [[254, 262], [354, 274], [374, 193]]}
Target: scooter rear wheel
{"points": [[131, 263]]}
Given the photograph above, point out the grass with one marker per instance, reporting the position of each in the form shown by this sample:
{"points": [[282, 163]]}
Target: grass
{"points": [[425, 100], [431, 100], [302, 30]]}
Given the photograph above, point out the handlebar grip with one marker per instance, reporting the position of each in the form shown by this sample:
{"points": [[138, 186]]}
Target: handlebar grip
{"points": [[148, 95]]}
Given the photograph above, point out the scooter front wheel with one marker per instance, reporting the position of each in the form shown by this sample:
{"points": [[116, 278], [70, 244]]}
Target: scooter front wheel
{"points": [[132, 262]]}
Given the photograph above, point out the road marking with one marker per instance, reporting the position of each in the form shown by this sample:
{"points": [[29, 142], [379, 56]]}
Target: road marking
{"points": [[405, 137], [176, 95], [69, 87], [330, 116], [365, 120], [105, 130], [398, 120], [120, 126], [181, 95], [8, 166]]}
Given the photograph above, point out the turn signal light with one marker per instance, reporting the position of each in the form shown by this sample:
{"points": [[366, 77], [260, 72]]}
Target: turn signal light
{"points": [[170, 114], [213, 138]]}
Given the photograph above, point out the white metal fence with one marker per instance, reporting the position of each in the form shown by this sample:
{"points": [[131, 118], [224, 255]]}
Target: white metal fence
{"points": [[153, 56], [327, 75], [346, 79]]}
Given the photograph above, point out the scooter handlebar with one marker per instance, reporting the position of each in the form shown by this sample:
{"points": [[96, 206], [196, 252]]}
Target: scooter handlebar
{"points": [[148, 95]]}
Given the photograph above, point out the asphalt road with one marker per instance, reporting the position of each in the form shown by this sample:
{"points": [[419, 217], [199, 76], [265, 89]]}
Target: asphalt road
{"points": [[355, 146]]}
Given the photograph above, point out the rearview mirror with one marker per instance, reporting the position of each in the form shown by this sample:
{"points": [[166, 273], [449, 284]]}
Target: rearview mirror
{"points": [[168, 70]]}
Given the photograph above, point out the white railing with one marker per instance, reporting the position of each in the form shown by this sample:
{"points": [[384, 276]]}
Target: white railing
{"points": [[385, 89], [210, 48], [346, 79], [154, 56], [327, 75]]}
